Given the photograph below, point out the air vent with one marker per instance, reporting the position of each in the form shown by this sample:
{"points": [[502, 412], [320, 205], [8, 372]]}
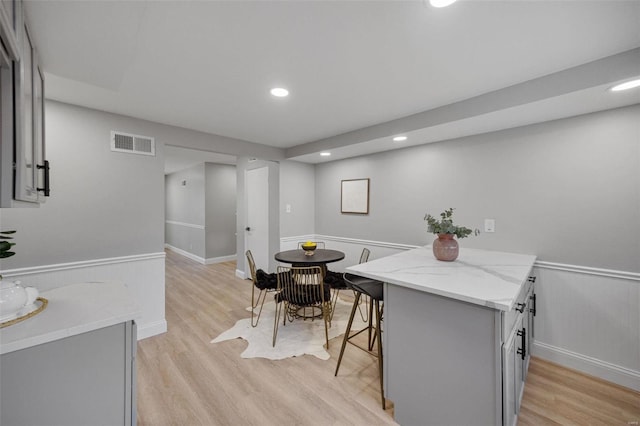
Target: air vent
{"points": [[134, 144]]}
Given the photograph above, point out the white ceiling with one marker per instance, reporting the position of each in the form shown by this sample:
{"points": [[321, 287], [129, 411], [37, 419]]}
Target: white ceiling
{"points": [[356, 69]]}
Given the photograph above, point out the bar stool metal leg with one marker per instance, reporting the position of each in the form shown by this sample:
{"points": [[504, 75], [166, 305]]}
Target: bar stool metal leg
{"points": [[371, 337], [346, 333]]}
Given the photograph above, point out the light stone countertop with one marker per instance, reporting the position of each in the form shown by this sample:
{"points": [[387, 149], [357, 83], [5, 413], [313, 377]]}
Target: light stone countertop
{"points": [[482, 277], [72, 310]]}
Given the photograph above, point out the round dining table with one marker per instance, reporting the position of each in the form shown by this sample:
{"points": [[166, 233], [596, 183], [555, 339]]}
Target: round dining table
{"points": [[320, 257]]}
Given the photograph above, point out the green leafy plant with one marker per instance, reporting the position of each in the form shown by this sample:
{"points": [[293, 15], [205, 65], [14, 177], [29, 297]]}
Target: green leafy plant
{"points": [[445, 225], [5, 245]]}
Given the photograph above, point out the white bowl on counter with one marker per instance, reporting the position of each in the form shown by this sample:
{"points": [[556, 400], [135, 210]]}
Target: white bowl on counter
{"points": [[16, 300]]}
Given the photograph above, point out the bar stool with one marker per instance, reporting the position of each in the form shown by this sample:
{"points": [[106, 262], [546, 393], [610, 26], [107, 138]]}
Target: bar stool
{"points": [[373, 289]]}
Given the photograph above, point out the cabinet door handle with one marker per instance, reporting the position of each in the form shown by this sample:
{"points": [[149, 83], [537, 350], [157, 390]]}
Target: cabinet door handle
{"points": [[532, 279], [523, 343], [520, 307], [46, 188], [533, 300]]}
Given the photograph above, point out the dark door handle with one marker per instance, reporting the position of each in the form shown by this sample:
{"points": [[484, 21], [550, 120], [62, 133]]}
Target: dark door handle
{"points": [[523, 350], [247, 229], [45, 167]]}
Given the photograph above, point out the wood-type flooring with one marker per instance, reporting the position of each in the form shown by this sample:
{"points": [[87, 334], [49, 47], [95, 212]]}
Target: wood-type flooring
{"points": [[183, 379]]}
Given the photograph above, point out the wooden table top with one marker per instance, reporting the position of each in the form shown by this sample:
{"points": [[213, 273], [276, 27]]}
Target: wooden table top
{"points": [[319, 257]]}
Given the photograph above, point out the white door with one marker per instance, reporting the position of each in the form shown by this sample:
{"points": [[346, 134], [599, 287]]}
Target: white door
{"points": [[257, 226]]}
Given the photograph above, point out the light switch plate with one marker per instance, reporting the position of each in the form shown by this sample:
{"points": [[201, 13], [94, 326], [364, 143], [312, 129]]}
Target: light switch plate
{"points": [[489, 225]]}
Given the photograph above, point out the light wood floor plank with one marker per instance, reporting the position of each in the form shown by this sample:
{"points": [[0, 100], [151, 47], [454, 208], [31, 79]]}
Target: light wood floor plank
{"points": [[185, 380]]}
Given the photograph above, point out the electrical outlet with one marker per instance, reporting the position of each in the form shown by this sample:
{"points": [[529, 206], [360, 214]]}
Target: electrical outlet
{"points": [[288, 208], [489, 225]]}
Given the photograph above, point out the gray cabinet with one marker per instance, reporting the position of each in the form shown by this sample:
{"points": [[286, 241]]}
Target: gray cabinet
{"points": [[516, 353], [24, 171], [87, 379]]}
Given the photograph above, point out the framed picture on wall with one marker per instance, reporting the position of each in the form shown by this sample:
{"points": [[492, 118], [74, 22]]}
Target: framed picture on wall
{"points": [[355, 196]]}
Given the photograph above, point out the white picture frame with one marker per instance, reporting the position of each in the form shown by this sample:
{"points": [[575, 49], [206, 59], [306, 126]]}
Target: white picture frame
{"points": [[355, 196]]}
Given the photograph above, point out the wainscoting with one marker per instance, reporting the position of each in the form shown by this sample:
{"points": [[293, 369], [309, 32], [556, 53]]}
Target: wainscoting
{"points": [[143, 274], [587, 318]]}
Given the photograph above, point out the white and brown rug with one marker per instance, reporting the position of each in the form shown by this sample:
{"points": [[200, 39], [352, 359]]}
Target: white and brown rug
{"points": [[296, 338]]}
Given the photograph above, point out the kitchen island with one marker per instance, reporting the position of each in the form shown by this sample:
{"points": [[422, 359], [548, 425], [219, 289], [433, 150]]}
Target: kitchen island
{"points": [[74, 362], [456, 334]]}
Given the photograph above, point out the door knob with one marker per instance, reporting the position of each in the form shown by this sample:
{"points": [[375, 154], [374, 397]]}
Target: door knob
{"points": [[247, 229]]}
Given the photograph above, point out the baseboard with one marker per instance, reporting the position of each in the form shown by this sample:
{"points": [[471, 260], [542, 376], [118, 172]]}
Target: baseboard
{"points": [[240, 274], [152, 329], [595, 367], [212, 260], [199, 259], [185, 253]]}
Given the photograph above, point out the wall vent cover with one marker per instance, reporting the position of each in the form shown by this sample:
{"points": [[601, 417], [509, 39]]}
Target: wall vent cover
{"points": [[133, 144]]}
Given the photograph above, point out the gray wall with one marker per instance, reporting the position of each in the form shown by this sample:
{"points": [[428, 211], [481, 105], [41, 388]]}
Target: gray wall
{"points": [[220, 210], [204, 209], [567, 190], [103, 204], [186, 204], [297, 189]]}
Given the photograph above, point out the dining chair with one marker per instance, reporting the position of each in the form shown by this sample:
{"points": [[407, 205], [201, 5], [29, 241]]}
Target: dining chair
{"points": [[345, 284], [302, 294], [263, 283]]}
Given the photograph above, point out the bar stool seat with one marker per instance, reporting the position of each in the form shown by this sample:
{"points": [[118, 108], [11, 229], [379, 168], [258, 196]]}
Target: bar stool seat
{"points": [[373, 289]]}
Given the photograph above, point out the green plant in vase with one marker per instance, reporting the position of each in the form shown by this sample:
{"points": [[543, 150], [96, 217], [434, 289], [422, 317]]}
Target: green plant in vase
{"points": [[445, 247]]}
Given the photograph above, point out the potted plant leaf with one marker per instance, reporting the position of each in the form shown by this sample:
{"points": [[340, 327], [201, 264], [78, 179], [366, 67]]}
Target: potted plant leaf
{"points": [[445, 247]]}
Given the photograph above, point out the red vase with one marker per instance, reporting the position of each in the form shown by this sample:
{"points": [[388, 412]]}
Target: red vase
{"points": [[445, 248]]}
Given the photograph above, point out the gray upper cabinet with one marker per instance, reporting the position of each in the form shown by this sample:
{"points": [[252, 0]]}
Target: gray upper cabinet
{"points": [[24, 171]]}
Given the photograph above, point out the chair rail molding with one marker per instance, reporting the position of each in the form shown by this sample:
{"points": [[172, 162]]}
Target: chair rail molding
{"points": [[185, 224], [142, 273]]}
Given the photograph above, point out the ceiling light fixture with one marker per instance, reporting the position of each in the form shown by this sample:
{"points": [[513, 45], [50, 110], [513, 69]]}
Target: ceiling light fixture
{"points": [[279, 92], [626, 85], [399, 138], [441, 3], [325, 154]]}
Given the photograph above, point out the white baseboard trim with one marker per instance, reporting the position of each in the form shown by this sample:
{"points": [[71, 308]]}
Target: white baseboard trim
{"points": [[595, 367], [199, 259], [212, 260], [185, 253], [240, 274], [152, 329]]}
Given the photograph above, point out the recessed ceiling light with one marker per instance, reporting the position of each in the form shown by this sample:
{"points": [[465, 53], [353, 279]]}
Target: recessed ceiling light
{"points": [[441, 3], [279, 92], [399, 138], [325, 154], [626, 85]]}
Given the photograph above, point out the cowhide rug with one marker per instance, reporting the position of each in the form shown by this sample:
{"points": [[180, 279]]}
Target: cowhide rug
{"points": [[296, 338]]}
